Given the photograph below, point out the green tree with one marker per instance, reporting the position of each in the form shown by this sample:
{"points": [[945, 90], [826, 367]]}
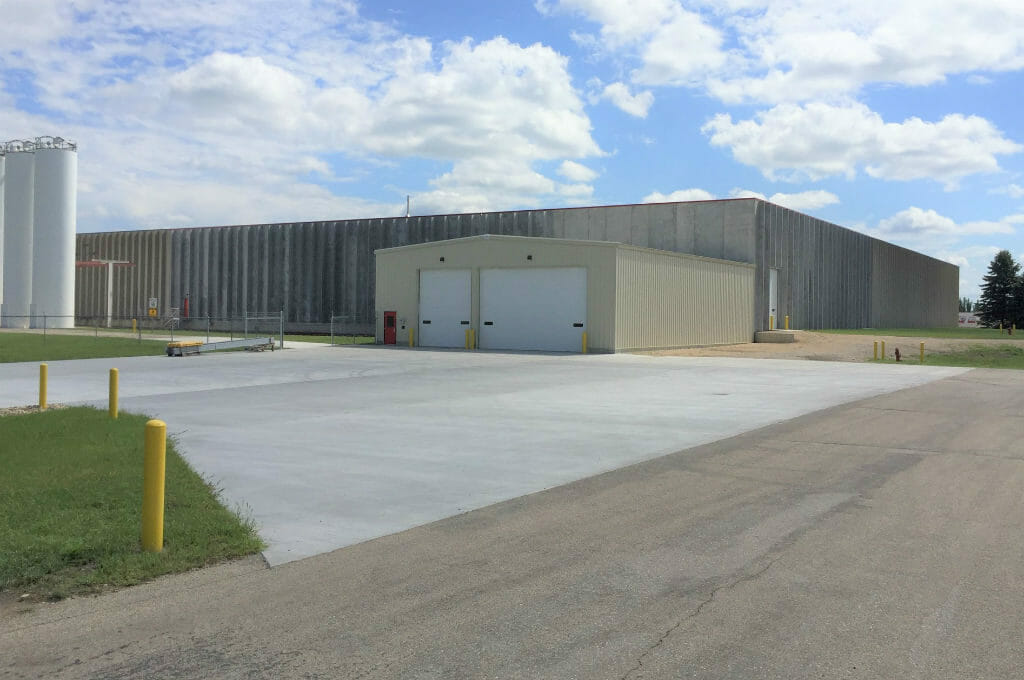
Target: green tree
{"points": [[966, 305], [998, 301]]}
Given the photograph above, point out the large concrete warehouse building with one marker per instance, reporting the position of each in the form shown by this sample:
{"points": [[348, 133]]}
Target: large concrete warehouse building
{"points": [[819, 274]]}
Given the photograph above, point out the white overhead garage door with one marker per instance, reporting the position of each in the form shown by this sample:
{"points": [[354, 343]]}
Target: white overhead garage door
{"points": [[537, 308], [445, 307]]}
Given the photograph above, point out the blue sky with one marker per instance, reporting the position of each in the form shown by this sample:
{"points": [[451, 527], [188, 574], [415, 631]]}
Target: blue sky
{"points": [[899, 119]]}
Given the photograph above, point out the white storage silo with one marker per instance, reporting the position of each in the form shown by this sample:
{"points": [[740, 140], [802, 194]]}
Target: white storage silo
{"points": [[3, 166], [18, 206], [53, 237]]}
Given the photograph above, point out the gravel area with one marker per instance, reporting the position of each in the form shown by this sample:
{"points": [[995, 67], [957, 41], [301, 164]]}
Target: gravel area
{"points": [[34, 408]]}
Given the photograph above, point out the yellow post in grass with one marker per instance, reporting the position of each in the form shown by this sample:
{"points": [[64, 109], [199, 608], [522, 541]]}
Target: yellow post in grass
{"points": [[876, 350], [153, 486], [922, 352], [134, 322], [787, 322], [883, 349], [771, 322], [584, 342], [43, 369], [112, 405], [412, 333]]}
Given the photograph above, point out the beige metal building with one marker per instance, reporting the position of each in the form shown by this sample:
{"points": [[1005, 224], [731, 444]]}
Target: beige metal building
{"points": [[526, 293]]}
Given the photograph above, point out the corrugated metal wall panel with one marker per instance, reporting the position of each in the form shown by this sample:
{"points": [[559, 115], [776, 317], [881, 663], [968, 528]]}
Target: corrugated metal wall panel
{"points": [[665, 300], [825, 271], [828, 276]]}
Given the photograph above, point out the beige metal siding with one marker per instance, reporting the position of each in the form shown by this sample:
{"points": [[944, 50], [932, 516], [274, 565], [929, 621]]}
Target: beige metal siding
{"points": [[669, 300], [397, 276]]}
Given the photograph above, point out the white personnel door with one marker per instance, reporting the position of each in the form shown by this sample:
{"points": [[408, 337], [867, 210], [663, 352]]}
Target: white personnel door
{"points": [[445, 307], [537, 308]]}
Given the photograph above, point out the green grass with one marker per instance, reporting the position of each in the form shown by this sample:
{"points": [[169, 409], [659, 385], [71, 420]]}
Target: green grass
{"points": [[981, 356], [1001, 355], [70, 502], [53, 347], [970, 333]]}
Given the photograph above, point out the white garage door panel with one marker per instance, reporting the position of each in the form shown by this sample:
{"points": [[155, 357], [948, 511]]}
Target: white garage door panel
{"points": [[444, 306], [533, 308]]}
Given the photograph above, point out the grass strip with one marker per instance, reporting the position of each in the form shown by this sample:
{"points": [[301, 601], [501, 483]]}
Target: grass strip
{"points": [[70, 506], [969, 333], [288, 337], [54, 347], [1002, 355], [980, 356]]}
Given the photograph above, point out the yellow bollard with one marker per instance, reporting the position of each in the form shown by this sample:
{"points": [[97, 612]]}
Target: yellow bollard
{"points": [[584, 342], [876, 350], [771, 322], [787, 322], [134, 322], [43, 370], [411, 334], [153, 486], [112, 403], [883, 349], [922, 352], [467, 338]]}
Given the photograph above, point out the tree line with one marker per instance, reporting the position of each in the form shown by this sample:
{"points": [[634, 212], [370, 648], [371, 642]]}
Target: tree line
{"points": [[1002, 294]]}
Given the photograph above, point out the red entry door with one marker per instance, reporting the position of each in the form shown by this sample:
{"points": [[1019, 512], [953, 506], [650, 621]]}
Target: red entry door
{"points": [[389, 328]]}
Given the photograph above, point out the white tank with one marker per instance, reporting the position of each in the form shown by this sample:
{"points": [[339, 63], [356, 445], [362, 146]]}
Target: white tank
{"points": [[3, 166], [18, 205], [53, 239]]}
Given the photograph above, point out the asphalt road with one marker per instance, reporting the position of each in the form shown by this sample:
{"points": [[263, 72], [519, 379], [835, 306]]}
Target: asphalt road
{"points": [[877, 539]]}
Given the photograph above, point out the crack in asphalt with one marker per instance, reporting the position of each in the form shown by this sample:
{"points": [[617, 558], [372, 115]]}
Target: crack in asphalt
{"points": [[694, 614]]}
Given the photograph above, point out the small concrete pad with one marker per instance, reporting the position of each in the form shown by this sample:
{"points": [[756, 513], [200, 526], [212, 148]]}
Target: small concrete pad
{"points": [[774, 336], [331, 446]]}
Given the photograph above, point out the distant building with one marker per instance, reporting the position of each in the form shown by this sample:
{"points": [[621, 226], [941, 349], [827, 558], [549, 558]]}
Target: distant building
{"points": [[969, 320]]}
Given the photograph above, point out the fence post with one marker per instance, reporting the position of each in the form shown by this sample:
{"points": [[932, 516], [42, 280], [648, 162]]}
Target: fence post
{"points": [[43, 371], [280, 321], [207, 328], [44, 326], [332, 328], [112, 406], [245, 324], [153, 486]]}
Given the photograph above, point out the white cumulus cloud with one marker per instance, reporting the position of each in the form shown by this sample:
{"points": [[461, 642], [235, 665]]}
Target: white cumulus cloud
{"points": [[634, 104], [818, 140], [798, 50], [576, 172], [679, 195], [804, 200], [929, 228], [235, 111]]}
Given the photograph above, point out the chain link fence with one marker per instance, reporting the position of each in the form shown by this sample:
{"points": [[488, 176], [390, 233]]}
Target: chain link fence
{"points": [[169, 327]]}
